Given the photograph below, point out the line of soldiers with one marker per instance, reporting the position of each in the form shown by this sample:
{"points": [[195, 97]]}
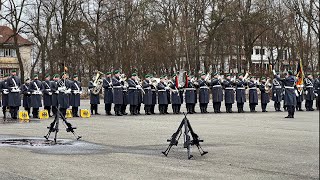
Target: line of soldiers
{"points": [[56, 93], [62, 93], [133, 92]]}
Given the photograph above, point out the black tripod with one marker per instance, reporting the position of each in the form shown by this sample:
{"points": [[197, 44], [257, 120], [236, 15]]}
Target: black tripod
{"points": [[187, 139], [54, 126]]}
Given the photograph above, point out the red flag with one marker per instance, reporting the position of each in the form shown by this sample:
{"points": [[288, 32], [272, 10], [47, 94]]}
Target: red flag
{"points": [[186, 84], [300, 76], [176, 82]]}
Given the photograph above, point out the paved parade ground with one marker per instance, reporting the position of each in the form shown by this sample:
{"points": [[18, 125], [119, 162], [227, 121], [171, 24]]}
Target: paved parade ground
{"points": [[241, 146]]}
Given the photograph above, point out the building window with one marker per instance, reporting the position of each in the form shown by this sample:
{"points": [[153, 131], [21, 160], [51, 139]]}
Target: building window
{"points": [[280, 54], [262, 52], [257, 51], [8, 53], [4, 71], [285, 54]]}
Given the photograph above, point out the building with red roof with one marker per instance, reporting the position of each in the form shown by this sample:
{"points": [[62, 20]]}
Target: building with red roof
{"points": [[8, 55]]}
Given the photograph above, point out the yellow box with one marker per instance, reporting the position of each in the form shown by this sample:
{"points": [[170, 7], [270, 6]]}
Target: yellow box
{"points": [[69, 113], [43, 114], [84, 113], [23, 116]]}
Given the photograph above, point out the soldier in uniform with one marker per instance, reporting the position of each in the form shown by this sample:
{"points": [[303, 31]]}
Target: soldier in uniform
{"points": [[14, 100], [290, 100], [36, 88], [217, 93], [147, 96], [203, 94], [154, 97], [64, 91], [76, 91], [139, 95], [108, 94], [265, 99], [240, 92], [317, 91], [26, 95], [309, 90], [253, 94], [277, 93], [168, 95], [228, 93], [133, 94], [195, 96], [181, 91], [162, 95], [117, 93], [175, 96], [55, 94], [125, 98], [94, 99], [5, 93], [190, 95], [47, 94]]}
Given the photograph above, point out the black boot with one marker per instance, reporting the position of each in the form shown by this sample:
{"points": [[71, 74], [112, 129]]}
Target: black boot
{"points": [[161, 110], [35, 112], [4, 114], [253, 108], [119, 110], [179, 109], [152, 109], [138, 108], [91, 108], [96, 109], [149, 110], [202, 108], [108, 109]]}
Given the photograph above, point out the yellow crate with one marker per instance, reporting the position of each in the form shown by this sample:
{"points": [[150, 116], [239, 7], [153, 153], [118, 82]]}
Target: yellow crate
{"points": [[84, 113], [23, 116], [69, 113], [43, 114]]}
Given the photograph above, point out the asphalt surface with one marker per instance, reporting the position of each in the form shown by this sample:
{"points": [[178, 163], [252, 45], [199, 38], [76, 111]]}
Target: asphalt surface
{"points": [[241, 146]]}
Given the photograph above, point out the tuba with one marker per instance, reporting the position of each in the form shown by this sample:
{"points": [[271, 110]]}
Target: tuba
{"points": [[99, 82]]}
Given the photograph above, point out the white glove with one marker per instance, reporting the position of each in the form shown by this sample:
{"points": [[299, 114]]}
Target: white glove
{"points": [[61, 88], [50, 93], [138, 86], [275, 95], [94, 84], [57, 92], [306, 92], [167, 88], [28, 92], [316, 94], [68, 91]]}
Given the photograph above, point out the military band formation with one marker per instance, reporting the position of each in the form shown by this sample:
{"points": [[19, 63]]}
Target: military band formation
{"points": [[59, 91]]}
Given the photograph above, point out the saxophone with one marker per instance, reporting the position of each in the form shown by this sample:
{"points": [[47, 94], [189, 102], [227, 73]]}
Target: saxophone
{"points": [[98, 82]]}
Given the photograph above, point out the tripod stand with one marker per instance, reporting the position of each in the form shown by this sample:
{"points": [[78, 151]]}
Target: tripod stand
{"points": [[187, 139], [54, 126]]}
